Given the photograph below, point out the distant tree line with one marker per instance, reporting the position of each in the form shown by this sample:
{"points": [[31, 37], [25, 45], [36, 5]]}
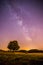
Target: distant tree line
{"points": [[35, 51]]}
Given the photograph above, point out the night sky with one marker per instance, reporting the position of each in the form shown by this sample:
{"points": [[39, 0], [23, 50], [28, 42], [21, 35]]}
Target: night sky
{"points": [[21, 20]]}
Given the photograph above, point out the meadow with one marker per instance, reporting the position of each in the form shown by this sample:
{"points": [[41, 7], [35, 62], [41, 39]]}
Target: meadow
{"points": [[19, 58]]}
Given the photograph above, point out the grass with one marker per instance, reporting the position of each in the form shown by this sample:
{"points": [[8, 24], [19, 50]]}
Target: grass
{"points": [[18, 58]]}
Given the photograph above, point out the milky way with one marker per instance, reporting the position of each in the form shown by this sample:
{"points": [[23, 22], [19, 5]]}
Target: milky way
{"points": [[21, 20]]}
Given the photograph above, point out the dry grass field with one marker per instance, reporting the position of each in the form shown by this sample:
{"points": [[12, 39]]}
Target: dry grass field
{"points": [[19, 58]]}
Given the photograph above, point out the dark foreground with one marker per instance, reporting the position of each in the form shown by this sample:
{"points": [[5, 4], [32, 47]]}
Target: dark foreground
{"points": [[7, 58]]}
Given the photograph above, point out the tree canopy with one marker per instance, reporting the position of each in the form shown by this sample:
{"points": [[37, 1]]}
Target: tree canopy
{"points": [[13, 45]]}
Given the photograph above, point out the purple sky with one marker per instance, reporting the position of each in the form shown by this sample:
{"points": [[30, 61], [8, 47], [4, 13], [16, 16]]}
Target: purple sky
{"points": [[21, 20]]}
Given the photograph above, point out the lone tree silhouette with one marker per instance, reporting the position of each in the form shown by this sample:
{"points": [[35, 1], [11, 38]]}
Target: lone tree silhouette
{"points": [[13, 45]]}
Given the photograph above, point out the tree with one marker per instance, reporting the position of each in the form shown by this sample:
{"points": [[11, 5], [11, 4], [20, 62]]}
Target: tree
{"points": [[13, 45], [33, 50]]}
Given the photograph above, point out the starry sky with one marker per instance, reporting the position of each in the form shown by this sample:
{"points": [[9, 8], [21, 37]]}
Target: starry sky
{"points": [[21, 20]]}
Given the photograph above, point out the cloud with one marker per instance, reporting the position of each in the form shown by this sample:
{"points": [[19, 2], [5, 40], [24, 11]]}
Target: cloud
{"points": [[28, 38]]}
